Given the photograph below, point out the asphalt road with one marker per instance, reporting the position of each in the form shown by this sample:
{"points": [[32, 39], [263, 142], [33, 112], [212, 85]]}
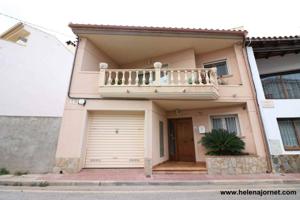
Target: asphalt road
{"points": [[206, 192]]}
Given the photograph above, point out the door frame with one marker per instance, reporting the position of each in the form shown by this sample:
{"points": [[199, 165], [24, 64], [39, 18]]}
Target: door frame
{"points": [[175, 157]]}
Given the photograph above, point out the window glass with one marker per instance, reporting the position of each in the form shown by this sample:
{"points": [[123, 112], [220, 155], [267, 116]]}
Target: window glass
{"points": [[231, 125], [287, 128], [217, 123], [221, 67], [282, 86], [228, 122], [161, 139]]}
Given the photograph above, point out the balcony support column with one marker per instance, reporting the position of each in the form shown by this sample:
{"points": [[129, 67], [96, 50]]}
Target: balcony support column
{"points": [[157, 67], [102, 77]]}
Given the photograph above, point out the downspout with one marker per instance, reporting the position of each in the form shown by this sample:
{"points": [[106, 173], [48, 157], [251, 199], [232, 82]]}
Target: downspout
{"points": [[73, 66], [261, 124]]}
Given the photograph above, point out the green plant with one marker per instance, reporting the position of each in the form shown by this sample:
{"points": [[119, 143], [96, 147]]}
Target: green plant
{"points": [[3, 171], [222, 142]]}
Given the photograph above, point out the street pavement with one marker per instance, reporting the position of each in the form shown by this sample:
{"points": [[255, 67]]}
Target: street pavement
{"points": [[205, 192]]}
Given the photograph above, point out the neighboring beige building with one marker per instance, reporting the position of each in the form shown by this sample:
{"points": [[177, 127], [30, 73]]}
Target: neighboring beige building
{"points": [[140, 96]]}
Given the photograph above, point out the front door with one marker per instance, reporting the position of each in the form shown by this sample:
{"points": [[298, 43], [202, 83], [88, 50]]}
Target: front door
{"points": [[184, 140]]}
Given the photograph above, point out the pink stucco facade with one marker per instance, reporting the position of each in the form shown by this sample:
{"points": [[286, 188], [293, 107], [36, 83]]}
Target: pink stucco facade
{"points": [[236, 97]]}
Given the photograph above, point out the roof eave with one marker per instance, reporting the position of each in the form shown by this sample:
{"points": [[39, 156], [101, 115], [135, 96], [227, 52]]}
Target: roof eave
{"points": [[113, 29]]}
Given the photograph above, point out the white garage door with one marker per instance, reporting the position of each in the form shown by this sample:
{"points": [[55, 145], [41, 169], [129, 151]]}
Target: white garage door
{"points": [[115, 140]]}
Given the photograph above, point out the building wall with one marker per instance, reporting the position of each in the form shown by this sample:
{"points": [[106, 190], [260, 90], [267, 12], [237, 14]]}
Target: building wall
{"points": [[180, 59], [202, 117], [272, 109], [36, 76], [228, 54], [92, 56], [70, 154], [237, 88], [34, 81], [28, 144]]}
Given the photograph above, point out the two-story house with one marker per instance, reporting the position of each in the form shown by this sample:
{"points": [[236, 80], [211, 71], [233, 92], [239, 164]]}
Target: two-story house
{"points": [[275, 67], [141, 96]]}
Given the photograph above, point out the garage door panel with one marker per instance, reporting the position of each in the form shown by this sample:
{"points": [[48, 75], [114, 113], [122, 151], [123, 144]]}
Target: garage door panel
{"points": [[115, 140]]}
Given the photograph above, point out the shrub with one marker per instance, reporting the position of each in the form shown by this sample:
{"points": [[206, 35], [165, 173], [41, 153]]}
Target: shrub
{"points": [[222, 142], [3, 171], [20, 173]]}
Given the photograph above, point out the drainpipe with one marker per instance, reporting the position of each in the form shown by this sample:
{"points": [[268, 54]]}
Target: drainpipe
{"points": [[72, 72], [263, 128]]}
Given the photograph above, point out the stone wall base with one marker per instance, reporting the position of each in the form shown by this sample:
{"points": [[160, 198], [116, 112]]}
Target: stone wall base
{"points": [[28, 144], [233, 165], [286, 163], [69, 165]]}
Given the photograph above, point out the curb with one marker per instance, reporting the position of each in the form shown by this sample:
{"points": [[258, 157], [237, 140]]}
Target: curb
{"points": [[44, 183]]}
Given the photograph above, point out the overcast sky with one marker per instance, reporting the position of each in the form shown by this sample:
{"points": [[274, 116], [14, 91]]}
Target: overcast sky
{"points": [[259, 17]]}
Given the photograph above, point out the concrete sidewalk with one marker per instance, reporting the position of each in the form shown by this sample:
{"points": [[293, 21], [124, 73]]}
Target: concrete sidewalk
{"points": [[110, 177]]}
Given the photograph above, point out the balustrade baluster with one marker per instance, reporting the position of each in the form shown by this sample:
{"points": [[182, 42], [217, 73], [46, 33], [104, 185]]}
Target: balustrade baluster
{"points": [[206, 77], [144, 78], [185, 77], [117, 78], [123, 77], [199, 76], [172, 78], [150, 78], [109, 78], [129, 77], [178, 77], [136, 77], [193, 77]]}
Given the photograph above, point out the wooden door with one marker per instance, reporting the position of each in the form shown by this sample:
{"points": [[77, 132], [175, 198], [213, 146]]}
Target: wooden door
{"points": [[185, 140]]}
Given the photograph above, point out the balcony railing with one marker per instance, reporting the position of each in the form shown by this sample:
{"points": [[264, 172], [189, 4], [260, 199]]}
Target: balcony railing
{"points": [[158, 82]]}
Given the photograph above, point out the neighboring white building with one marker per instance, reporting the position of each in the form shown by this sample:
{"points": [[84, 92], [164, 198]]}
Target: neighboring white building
{"points": [[35, 68], [275, 66]]}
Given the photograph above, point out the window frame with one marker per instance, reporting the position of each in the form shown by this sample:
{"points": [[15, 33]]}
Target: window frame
{"points": [[161, 139], [284, 88], [216, 62], [297, 134], [222, 117]]}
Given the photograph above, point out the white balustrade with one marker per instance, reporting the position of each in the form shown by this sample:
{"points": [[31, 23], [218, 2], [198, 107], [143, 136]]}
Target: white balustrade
{"points": [[157, 77]]}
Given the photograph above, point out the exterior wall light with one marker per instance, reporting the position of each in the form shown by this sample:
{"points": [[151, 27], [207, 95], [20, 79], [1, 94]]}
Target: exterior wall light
{"points": [[82, 102]]}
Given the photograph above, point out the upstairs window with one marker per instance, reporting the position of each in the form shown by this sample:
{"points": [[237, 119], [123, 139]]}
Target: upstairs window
{"points": [[290, 133], [226, 122], [221, 66], [284, 85]]}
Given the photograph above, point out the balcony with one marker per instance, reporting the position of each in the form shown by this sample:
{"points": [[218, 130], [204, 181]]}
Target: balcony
{"points": [[158, 83]]}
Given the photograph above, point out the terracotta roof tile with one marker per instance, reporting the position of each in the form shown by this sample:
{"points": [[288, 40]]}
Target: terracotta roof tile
{"points": [[274, 38]]}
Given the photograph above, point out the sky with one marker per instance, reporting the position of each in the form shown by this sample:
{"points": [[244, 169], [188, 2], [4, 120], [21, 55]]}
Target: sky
{"points": [[258, 17]]}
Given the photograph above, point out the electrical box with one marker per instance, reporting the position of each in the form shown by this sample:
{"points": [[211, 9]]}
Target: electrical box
{"points": [[201, 129]]}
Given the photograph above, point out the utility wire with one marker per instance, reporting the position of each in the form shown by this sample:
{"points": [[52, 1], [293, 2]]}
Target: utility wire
{"points": [[41, 27]]}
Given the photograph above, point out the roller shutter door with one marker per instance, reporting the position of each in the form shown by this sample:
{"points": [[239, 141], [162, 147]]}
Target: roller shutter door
{"points": [[115, 140]]}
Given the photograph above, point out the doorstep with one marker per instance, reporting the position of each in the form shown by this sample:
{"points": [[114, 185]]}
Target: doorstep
{"points": [[181, 167]]}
